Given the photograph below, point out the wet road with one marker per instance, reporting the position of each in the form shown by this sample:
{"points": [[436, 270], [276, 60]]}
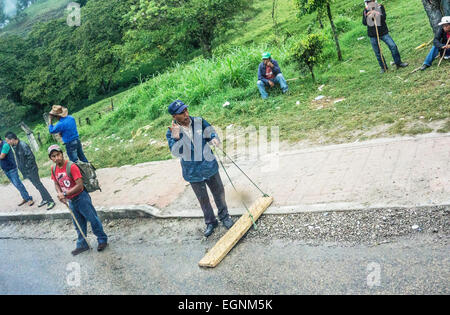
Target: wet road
{"points": [[413, 265]]}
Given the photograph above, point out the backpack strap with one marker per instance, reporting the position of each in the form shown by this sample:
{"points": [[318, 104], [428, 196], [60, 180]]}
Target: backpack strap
{"points": [[68, 167], [54, 171]]}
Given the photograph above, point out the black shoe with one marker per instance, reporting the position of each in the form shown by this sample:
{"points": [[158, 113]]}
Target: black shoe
{"points": [[424, 67], [210, 228], [402, 65], [43, 203], [228, 222], [101, 246], [79, 250]]}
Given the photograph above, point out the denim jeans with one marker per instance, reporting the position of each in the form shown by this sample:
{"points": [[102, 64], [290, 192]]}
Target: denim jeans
{"points": [[279, 79], [434, 52], [75, 151], [216, 186], [84, 211], [392, 46], [36, 181], [13, 176]]}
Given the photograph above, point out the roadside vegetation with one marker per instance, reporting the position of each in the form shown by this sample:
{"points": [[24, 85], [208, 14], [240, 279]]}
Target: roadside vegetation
{"points": [[354, 101]]}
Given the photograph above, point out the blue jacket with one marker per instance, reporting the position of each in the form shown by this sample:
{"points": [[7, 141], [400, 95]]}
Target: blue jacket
{"points": [[197, 160], [8, 163], [67, 127], [262, 70]]}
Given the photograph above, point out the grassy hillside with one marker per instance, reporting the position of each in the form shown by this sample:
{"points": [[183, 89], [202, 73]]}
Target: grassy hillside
{"points": [[41, 11], [359, 102]]}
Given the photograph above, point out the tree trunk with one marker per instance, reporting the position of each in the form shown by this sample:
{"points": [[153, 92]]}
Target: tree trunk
{"points": [[33, 144], [312, 73], [433, 9], [338, 48]]}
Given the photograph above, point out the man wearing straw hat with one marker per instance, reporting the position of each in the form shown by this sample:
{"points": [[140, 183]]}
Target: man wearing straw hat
{"points": [[441, 43], [374, 17], [67, 127], [71, 192]]}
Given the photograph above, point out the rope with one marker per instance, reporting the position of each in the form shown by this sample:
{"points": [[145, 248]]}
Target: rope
{"points": [[264, 194], [229, 178]]}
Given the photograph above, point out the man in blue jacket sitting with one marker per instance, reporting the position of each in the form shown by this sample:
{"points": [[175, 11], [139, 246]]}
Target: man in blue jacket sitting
{"points": [[188, 138], [67, 127], [269, 74]]}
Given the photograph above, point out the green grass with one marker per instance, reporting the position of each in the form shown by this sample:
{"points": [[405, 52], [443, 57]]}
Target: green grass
{"points": [[395, 103]]}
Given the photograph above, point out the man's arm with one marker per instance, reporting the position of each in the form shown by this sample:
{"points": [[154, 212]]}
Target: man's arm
{"points": [[261, 76], [5, 151], [29, 159], [437, 39], [57, 128], [276, 68]]}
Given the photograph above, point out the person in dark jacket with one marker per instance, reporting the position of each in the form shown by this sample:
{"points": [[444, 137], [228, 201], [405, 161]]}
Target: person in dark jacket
{"points": [[188, 138], [9, 166], [440, 43], [28, 167], [374, 17], [67, 127], [269, 74]]}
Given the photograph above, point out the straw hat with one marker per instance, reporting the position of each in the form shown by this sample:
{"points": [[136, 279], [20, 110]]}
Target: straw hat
{"points": [[58, 110]]}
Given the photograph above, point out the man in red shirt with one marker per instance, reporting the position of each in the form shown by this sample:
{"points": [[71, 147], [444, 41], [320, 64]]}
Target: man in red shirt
{"points": [[70, 189]]}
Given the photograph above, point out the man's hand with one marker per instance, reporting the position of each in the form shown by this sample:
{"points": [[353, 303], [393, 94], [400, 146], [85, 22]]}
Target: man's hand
{"points": [[62, 198], [175, 129], [50, 117], [446, 47], [270, 64], [271, 83], [215, 142]]}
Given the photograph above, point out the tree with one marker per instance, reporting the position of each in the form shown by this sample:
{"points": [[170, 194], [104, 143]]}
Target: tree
{"points": [[433, 9], [321, 6], [307, 52]]}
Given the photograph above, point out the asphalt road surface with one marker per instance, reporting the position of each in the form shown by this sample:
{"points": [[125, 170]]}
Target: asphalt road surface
{"points": [[161, 257]]}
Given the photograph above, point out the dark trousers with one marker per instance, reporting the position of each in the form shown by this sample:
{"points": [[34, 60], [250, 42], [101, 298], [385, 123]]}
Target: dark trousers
{"points": [[216, 186], [75, 151], [392, 47], [36, 181]]}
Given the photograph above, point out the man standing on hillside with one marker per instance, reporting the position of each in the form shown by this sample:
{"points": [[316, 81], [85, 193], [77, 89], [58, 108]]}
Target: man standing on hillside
{"points": [[374, 17], [69, 186], [188, 138], [67, 127], [440, 43], [269, 74], [9, 166], [28, 167]]}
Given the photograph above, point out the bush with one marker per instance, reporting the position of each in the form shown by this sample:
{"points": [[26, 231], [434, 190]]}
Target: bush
{"points": [[308, 52]]}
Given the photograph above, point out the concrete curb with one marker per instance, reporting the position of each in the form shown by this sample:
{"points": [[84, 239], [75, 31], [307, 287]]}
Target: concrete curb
{"points": [[144, 211]]}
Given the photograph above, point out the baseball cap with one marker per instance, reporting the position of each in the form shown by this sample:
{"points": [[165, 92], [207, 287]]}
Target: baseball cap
{"points": [[177, 107], [54, 147], [445, 20], [266, 55]]}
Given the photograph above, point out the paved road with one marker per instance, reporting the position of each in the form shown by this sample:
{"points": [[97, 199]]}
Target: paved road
{"points": [[418, 264]]}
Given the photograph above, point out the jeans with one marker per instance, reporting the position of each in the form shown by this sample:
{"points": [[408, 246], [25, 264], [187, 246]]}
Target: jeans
{"points": [[279, 79], [13, 176], [392, 46], [434, 52], [84, 211], [75, 151], [216, 186], [36, 181]]}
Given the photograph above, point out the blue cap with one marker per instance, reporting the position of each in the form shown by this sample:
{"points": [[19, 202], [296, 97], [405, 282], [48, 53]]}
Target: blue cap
{"points": [[177, 107]]}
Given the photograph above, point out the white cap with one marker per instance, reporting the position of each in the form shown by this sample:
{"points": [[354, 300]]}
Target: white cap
{"points": [[445, 20]]}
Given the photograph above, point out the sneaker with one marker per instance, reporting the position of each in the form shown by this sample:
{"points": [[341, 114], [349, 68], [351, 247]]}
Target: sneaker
{"points": [[43, 203], [101, 246], [402, 65], [50, 205], [210, 228], [30, 203], [228, 222], [22, 203], [79, 250], [446, 57], [424, 66]]}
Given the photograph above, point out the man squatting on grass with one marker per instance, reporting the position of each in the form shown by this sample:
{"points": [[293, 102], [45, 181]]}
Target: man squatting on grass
{"points": [[70, 189], [9, 166], [188, 138], [439, 43], [269, 74], [28, 167], [376, 12], [67, 127]]}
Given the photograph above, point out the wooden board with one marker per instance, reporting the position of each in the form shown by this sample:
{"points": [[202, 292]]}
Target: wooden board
{"points": [[240, 227]]}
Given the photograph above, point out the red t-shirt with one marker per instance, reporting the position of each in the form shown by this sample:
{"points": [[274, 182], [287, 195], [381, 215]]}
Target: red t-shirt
{"points": [[269, 73], [64, 180]]}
